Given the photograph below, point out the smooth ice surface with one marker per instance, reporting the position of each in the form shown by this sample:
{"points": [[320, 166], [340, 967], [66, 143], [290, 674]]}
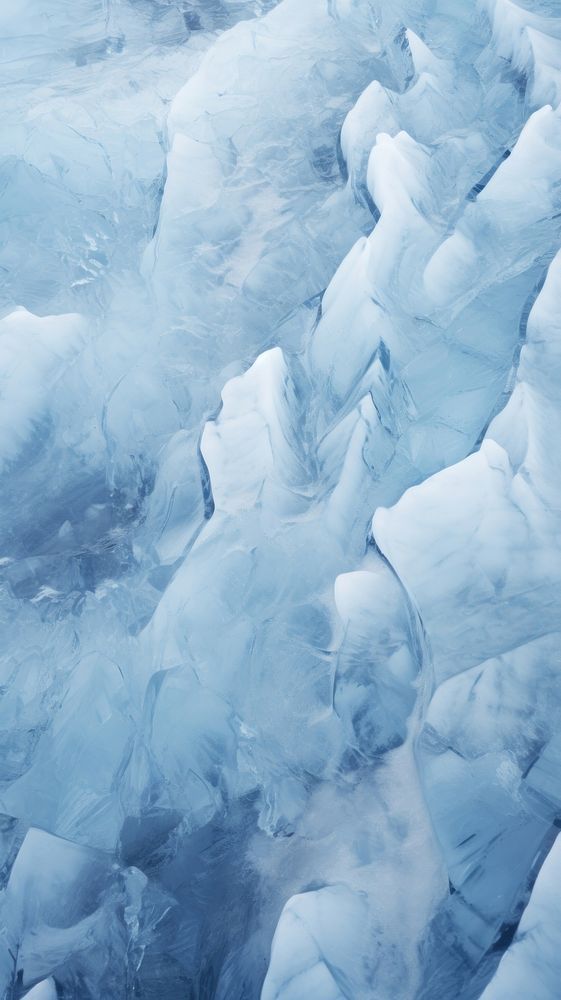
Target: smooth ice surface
{"points": [[43, 991], [531, 966], [280, 493]]}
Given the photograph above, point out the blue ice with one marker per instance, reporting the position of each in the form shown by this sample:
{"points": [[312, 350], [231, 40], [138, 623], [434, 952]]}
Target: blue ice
{"points": [[280, 494]]}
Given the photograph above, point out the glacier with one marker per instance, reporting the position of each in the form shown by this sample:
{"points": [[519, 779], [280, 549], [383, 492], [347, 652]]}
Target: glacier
{"points": [[280, 424]]}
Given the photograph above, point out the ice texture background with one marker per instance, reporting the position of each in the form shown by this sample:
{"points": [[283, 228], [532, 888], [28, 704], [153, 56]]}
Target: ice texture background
{"points": [[280, 477]]}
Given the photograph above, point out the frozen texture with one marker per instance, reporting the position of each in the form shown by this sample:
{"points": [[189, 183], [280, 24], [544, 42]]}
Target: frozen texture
{"points": [[531, 964], [280, 384]]}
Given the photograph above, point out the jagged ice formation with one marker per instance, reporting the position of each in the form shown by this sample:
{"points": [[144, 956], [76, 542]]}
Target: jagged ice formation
{"points": [[280, 424]]}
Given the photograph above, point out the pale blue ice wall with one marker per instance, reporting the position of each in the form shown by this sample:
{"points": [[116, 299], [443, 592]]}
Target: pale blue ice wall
{"points": [[280, 456]]}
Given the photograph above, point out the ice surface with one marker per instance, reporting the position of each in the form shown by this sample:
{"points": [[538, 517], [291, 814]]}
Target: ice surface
{"points": [[490, 611], [280, 412], [43, 991], [531, 964]]}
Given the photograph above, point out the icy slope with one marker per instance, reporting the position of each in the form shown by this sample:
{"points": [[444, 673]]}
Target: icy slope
{"points": [[279, 435], [531, 965]]}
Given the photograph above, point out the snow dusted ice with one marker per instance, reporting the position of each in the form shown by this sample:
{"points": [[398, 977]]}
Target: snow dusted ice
{"points": [[280, 486]]}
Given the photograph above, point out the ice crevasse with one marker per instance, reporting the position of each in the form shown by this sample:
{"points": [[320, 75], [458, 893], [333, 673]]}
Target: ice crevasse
{"points": [[280, 412]]}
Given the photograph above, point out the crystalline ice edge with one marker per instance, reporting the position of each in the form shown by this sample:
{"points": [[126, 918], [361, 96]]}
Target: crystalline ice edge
{"points": [[280, 412]]}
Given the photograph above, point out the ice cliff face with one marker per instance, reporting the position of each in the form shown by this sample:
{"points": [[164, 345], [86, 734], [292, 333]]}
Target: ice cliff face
{"points": [[280, 413]]}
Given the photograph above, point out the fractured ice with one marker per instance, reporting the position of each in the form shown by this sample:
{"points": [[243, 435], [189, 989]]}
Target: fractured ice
{"points": [[280, 425]]}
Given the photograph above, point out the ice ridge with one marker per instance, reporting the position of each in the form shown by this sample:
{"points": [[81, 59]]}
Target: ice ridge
{"points": [[280, 411]]}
